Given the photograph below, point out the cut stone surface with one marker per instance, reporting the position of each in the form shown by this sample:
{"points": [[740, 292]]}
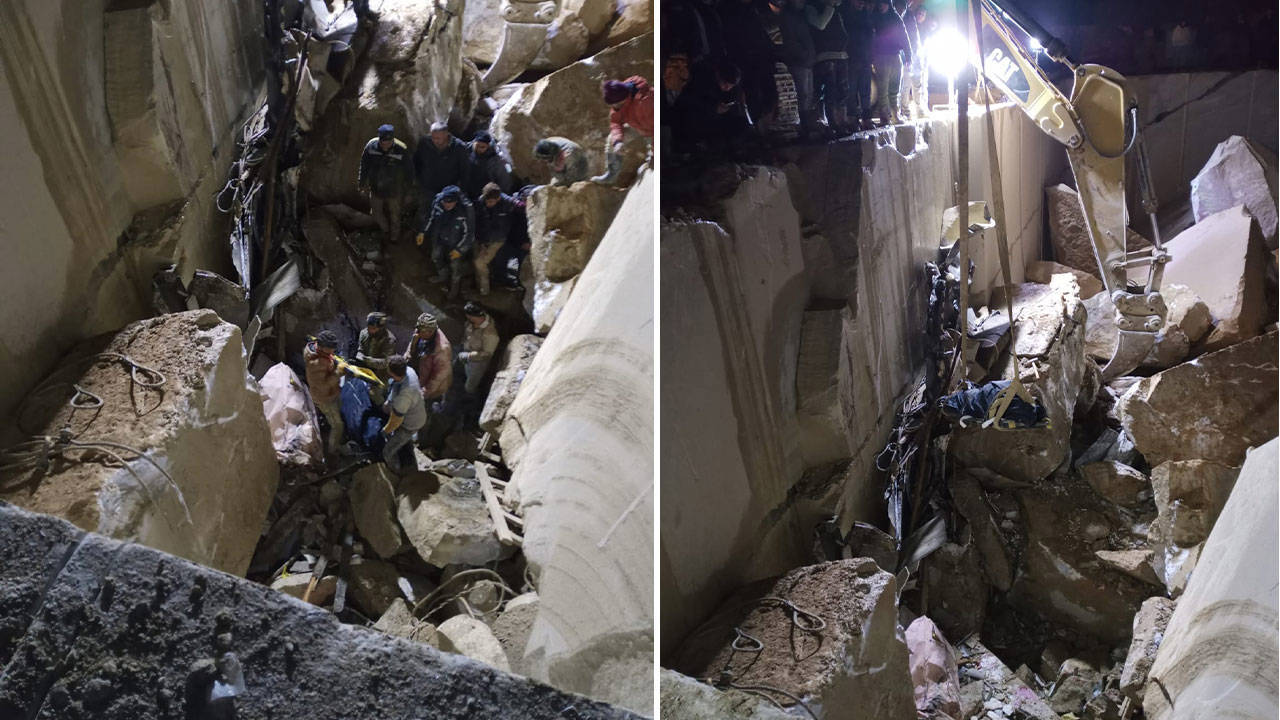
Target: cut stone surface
{"points": [[1076, 682], [635, 18], [1187, 312], [408, 77], [482, 27], [548, 300], [1238, 173], [291, 416], [216, 293], [156, 620], [1049, 338], [1218, 656], [398, 621], [373, 503], [934, 675], [566, 224], [516, 360], [564, 104], [1223, 260], [1042, 271], [819, 410], [684, 698], [1134, 563], [468, 636], [860, 660], [1189, 495], [512, 628], [1212, 408], [203, 424], [1069, 233], [451, 526], [1116, 481], [1148, 632]]}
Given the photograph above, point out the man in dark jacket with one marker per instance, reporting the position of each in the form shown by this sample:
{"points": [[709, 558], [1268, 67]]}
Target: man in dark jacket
{"points": [[831, 64], [889, 49], [484, 166], [713, 112], [385, 173], [749, 47], [857, 22], [451, 232], [798, 53], [440, 160], [494, 215]]}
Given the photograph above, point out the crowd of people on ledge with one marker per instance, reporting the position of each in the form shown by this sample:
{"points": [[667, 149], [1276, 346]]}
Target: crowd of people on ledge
{"points": [[775, 69]]}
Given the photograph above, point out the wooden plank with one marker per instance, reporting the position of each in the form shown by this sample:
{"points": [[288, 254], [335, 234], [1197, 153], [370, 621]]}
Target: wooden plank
{"points": [[505, 536], [316, 572]]}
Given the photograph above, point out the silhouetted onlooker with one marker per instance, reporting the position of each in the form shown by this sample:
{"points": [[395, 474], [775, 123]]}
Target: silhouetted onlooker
{"points": [[831, 65], [889, 49], [858, 25]]}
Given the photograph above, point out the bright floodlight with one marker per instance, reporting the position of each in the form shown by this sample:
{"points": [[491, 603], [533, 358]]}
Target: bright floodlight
{"points": [[1035, 45], [946, 51]]}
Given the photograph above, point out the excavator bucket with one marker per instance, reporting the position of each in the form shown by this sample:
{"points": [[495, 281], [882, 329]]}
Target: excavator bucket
{"points": [[1131, 349]]}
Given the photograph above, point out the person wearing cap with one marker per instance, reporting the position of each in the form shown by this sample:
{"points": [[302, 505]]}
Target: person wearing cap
{"points": [[385, 174], [451, 228], [484, 166], [479, 343], [439, 161], [494, 215], [324, 380], [406, 411], [377, 343], [430, 353], [630, 104], [567, 160]]}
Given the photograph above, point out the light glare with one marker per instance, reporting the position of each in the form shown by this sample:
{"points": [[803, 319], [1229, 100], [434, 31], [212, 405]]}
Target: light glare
{"points": [[947, 52]]}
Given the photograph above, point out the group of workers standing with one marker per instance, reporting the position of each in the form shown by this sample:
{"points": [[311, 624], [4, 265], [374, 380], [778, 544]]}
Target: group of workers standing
{"points": [[467, 214]]}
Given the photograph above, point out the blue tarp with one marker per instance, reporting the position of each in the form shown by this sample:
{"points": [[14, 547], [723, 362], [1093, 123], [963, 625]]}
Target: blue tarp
{"points": [[364, 421]]}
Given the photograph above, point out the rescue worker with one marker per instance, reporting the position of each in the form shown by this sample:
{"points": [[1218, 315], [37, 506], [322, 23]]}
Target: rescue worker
{"points": [[451, 229], [439, 161], [859, 24], [566, 158], [630, 104], [377, 343], [385, 174], [889, 48], [493, 226], [325, 381], [431, 355], [479, 343], [406, 411], [484, 166]]}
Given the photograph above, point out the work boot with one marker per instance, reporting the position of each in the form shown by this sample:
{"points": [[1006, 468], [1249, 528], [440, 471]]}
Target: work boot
{"points": [[613, 166]]}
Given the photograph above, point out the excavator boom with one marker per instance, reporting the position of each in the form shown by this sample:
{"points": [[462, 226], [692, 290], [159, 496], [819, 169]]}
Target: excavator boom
{"points": [[1098, 125]]}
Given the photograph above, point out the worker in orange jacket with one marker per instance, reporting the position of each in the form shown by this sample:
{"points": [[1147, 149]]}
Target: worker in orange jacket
{"points": [[631, 105]]}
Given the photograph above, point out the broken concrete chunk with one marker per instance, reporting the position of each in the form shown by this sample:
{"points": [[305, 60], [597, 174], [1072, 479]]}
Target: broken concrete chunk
{"points": [[398, 621], [1075, 685], [1238, 173], [373, 504], [934, 675], [516, 360], [451, 526], [683, 698], [209, 473], [1116, 482], [230, 300], [957, 587], [512, 628], [1069, 234], [1187, 312], [857, 658], [1218, 650], [1212, 408], [1042, 271], [566, 224], [468, 636], [297, 583], [1148, 631], [1134, 563], [970, 500], [1189, 494], [372, 586], [1223, 260], [481, 33], [866, 540], [635, 18]]}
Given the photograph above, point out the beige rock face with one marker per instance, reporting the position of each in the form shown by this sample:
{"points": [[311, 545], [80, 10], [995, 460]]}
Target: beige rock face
{"points": [[1042, 271], [516, 360], [635, 18], [399, 621], [372, 586], [373, 503], [405, 78], [468, 636], [1223, 260], [1148, 632], [1189, 495], [203, 425], [1070, 235], [451, 526], [1238, 173], [1212, 408], [1115, 481], [684, 698], [482, 26], [819, 412], [1049, 335], [566, 224], [566, 103], [859, 661], [1134, 563], [512, 628], [297, 583], [1218, 657], [1076, 679], [971, 502]]}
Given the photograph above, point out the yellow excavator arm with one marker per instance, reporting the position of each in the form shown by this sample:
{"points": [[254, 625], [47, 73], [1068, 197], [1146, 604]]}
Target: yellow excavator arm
{"points": [[1098, 125]]}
